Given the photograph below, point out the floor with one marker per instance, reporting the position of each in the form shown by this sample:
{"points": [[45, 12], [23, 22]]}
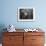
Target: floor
{"points": [[0, 44]]}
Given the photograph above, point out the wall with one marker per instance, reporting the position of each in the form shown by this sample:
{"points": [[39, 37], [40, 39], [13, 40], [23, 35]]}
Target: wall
{"points": [[8, 14]]}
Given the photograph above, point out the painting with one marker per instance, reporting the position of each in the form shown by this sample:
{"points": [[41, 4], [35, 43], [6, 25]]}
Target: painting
{"points": [[26, 14]]}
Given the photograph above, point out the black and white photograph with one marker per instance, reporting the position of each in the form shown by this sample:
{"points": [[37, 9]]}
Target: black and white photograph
{"points": [[26, 14]]}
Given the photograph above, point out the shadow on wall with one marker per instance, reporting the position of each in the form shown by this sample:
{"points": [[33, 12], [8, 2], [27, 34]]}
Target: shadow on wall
{"points": [[2, 26]]}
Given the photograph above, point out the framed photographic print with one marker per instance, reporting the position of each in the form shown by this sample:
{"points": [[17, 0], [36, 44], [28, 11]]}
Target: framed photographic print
{"points": [[26, 14]]}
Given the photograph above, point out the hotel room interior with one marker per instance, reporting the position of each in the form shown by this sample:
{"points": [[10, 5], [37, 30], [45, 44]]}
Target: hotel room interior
{"points": [[22, 23]]}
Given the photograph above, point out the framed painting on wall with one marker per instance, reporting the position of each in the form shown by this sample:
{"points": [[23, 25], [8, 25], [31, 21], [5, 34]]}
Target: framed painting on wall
{"points": [[26, 14]]}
